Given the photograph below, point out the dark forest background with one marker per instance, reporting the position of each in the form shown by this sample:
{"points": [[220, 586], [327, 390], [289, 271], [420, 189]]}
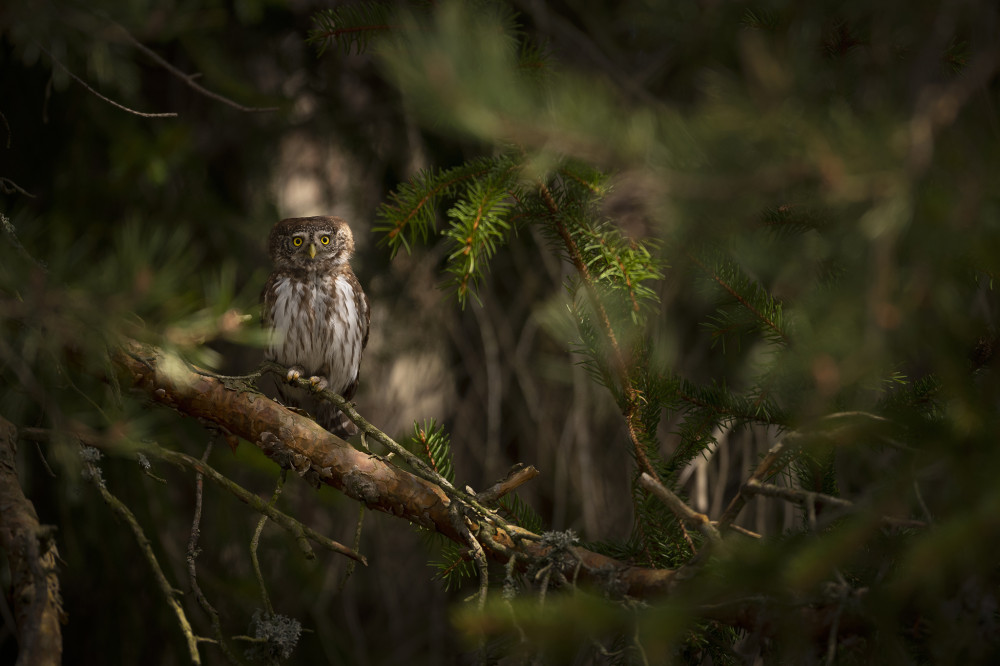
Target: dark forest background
{"points": [[837, 161]]}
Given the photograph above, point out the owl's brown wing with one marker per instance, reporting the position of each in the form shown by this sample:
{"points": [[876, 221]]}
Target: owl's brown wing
{"points": [[367, 318], [267, 301], [361, 304]]}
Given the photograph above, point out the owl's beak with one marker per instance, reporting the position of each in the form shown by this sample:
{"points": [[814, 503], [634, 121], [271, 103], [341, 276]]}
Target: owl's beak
{"points": [[312, 250]]}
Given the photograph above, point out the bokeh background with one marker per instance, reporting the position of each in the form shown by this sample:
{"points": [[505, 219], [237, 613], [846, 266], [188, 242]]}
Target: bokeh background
{"points": [[162, 216], [154, 227]]}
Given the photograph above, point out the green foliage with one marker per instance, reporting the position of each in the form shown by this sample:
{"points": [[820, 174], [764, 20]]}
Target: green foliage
{"points": [[746, 307], [798, 229], [350, 26], [489, 198], [453, 565], [479, 222], [777, 216], [411, 211], [521, 513], [431, 442]]}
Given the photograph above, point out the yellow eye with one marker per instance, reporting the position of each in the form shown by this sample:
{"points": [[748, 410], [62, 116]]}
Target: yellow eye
{"points": [[297, 242], [325, 240]]}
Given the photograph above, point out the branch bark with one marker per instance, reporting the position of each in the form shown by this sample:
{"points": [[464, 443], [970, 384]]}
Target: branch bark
{"points": [[299, 443], [31, 556]]}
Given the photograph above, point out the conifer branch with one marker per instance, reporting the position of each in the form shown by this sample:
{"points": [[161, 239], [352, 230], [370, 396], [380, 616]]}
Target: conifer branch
{"points": [[433, 442], [761, 305], [632, 397], [411, 205], [351, 25], [478, 224]]}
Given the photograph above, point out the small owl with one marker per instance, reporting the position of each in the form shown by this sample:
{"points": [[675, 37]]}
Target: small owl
{"points": [[317, 312]]}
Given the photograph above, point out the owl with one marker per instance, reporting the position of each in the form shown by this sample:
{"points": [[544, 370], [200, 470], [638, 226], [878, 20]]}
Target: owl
{"points": [[317, 314]]}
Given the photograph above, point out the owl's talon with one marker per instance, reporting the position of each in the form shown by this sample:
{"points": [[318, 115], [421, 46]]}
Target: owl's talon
{"points": [[294, 372], [319, 384]]}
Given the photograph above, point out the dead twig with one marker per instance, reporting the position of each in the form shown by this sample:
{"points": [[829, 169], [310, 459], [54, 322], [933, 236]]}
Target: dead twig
{"points": [[809, 498], [680, 508], [189, 79], [517, 476], [192, 554], [255, 542], [93, 472], [99, 95]]}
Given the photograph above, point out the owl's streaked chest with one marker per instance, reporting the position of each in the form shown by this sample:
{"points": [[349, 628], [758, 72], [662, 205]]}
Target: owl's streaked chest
{"points": [[317, 325]]}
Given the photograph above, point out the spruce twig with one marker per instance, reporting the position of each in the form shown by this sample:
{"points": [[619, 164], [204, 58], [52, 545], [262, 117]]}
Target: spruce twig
{"points": [[632, 398]]}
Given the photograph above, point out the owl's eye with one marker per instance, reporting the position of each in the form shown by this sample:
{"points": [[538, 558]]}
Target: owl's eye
{"points": [[325, 240], [297, 242]]}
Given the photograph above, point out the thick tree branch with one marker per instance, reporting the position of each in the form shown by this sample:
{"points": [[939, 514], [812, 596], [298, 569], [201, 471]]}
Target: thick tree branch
{"points": [[31, 557], [299, 443]]}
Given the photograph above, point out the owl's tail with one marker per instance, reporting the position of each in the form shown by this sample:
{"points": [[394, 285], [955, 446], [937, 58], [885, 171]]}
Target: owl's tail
{"points": [[328, 416], [335, 421]]}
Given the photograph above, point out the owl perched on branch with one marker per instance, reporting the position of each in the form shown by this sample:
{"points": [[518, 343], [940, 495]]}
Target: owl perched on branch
{"points": [[317, 312]]}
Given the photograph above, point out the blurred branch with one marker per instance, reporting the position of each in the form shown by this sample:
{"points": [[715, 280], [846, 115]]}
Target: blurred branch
{"points": [[7, 186], [938, 106], [171, 594], [31, 556], [810, 498], [839, 427], [99, 95], [189, 79], [11, 233]]}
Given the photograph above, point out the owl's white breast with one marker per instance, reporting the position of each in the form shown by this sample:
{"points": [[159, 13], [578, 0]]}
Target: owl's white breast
{"points": [[317, 326]]}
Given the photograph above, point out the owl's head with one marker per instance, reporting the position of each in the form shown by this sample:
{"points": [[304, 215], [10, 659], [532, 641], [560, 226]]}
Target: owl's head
{"points": [[318, 243]]}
